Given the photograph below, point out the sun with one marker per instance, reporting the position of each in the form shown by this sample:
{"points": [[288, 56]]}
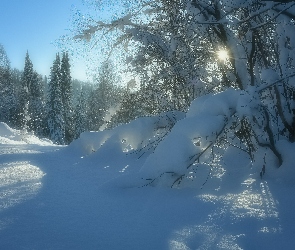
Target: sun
{"points": [[222, 54]]}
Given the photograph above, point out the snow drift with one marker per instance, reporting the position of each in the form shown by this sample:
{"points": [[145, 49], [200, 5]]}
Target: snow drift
{"points": [[178, 147], [14, 136]]}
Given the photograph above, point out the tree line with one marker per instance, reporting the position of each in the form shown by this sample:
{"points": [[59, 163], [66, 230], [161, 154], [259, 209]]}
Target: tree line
{"points": [[58, 108]]}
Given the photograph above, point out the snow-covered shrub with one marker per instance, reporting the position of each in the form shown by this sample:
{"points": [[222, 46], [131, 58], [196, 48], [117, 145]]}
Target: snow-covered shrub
{"points": [[137, 137]]}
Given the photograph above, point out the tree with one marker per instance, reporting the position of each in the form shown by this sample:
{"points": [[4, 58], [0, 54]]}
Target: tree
{"points": [[56, 123], [127, 110], [4, 60], [103, 97], [24, 97], [94, 114], [81, 114], [66, 92], [7, 90], [36, 108]]}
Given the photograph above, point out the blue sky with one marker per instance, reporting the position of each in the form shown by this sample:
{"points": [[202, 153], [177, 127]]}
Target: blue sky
{"points": [[34, 25]]}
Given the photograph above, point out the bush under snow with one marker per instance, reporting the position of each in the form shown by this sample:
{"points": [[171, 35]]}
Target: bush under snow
{"points": [[178, 147]]}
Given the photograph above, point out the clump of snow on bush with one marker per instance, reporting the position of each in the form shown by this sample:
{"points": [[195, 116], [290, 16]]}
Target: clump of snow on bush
{"points": [[205, 119], [214, 104], [172, 155], [127, 137]]}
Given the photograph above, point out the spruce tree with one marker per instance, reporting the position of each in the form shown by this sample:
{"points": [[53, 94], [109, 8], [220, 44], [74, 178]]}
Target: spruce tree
{"points": [[66, 92], [56, 124], [80, 115], [14, 88], [36, 105], [94, 111], [103, 97], [128, 110], [7, 90], [24, 96]]}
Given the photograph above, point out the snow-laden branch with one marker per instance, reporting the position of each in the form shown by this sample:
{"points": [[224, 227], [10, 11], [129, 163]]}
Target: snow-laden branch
{"points": [[263, 87]]}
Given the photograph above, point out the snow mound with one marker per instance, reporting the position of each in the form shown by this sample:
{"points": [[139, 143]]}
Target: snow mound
{"points": [[180, 148], [215, 104], [205, 119], [6, 131], [9, 135], [14, 136], [169, 142], [133, 136]]}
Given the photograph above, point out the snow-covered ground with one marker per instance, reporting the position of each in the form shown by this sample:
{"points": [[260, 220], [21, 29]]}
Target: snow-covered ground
{"points": [[79, 197]]}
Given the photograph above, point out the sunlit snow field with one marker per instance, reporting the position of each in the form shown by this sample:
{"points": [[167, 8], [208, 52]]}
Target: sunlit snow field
{"points": [[68, 197]]}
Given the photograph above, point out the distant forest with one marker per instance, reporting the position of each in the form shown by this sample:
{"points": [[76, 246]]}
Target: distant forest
{"points": [[58, 107]]}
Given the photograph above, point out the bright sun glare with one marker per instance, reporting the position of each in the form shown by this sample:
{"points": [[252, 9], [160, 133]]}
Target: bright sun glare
{"points": [[222, 55]]}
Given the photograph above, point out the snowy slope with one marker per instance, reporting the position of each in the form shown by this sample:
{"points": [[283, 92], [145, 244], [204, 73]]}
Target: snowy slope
{"points": [[54, 197]]}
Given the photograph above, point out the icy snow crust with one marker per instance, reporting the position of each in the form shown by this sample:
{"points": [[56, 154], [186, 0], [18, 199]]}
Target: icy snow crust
{"points": [[97, 193]]}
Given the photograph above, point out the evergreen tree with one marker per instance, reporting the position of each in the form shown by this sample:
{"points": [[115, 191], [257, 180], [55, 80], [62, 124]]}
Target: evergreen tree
{"points": [[94, 118], [36, 105], [7, 90], [103, 97], [80, 115], [26, 82], [56, 124], [66, 92], [15, 90], [128, 110], [7, 96]]}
